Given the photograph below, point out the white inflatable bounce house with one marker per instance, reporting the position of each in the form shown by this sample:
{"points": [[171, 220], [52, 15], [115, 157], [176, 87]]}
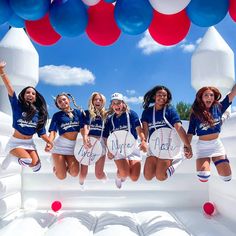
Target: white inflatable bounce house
{"points": [[171, 208]]}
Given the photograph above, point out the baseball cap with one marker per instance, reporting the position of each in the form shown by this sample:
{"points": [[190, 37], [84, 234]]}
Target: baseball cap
{"points": [[117, 96]]}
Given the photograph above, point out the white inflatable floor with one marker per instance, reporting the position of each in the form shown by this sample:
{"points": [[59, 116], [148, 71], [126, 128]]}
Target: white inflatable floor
{"points": [[171, 222]]}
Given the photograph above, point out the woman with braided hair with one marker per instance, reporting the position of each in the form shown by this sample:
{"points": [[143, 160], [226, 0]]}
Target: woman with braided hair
{"points": [[67, 122]]}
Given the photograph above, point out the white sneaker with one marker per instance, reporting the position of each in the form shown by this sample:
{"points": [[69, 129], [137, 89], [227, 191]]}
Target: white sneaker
{"points": [[82, 187], [118, 182]]}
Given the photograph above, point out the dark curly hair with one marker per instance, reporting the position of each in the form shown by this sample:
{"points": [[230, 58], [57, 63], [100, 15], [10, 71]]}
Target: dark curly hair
{"points": [[149, 97]]}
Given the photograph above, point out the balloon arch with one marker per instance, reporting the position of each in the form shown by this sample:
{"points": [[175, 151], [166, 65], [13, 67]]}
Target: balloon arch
{"points": [[168, 21]]}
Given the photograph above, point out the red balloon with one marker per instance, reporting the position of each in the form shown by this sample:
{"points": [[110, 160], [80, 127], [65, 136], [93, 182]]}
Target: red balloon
{"points": [[56, 206], [209, 208], [169, 29], [102, 28], [41, 31], [232, 9]]}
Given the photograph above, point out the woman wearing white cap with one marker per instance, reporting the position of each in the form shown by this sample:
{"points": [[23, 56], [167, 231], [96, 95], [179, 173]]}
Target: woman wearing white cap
{"points": [[125, 152]]}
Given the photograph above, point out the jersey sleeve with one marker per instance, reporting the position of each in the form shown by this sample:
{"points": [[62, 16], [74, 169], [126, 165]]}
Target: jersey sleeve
{"points": [[135, 119], [225, 103], [85, 118], [14, 101], [41, 131], [53, 124], [192, 125], [144, 117], [106, 130], [173, 116]]}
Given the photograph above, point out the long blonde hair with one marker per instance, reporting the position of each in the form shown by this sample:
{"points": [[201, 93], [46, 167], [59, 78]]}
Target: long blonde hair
{"points": [[92, 109]]}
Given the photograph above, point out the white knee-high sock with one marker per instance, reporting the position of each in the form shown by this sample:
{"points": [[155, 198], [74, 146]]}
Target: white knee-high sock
{"points": [[175, 164]]}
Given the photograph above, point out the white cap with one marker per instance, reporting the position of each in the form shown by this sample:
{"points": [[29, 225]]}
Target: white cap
{"points": [[117, 96]]}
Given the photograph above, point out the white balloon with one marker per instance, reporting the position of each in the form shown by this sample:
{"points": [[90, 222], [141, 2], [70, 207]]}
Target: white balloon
{"points": [[169, 7], [91, 2]]}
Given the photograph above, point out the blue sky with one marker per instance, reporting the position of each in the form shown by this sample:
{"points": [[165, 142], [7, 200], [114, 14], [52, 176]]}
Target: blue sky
{"points": [[132, 66]]}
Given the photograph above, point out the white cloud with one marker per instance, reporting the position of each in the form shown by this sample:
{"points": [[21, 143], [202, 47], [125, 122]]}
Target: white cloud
{"points": [[65, 75], [198, 40], [188, 47], [134, 100], [130, 92], [150, 46]]}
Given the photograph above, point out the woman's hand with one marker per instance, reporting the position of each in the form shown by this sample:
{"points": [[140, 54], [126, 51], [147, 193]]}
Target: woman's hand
{"points": [[48, 147], [188, 153], [143, 146], [2, 65], [87, 143], [110, 155]]}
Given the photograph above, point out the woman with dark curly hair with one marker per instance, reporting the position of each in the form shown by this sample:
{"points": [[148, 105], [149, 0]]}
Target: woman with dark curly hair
{"points": [[160, 121], [29, 117], [205, 121]]}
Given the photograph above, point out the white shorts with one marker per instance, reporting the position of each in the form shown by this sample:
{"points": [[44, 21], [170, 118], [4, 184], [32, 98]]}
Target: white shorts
{"points": [[27, 144], [135, 155], [213, 148], [63, 146]]}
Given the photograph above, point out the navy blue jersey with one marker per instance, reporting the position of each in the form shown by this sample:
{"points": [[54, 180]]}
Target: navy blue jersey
{"points": [[62, 123], [26, 127], [95, 125], [121, 123], [198, 127], [171, 115]]}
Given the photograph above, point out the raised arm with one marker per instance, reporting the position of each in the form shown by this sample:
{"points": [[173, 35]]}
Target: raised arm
{"points": [[232, 94], [5, 79]]}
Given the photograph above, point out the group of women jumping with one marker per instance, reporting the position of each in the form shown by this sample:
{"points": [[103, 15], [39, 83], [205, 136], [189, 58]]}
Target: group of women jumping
{"points": [[120, 133]]}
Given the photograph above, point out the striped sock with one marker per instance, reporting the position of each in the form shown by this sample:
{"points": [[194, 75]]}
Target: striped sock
{"points": [[171, 169]]}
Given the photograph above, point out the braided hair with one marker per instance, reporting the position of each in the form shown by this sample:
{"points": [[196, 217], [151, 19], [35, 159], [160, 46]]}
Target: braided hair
{"points": [[30, 109], [68, 95], [149, 97]]}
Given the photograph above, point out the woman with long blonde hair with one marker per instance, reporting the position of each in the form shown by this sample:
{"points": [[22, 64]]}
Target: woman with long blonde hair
{"points": [[94, 122]]}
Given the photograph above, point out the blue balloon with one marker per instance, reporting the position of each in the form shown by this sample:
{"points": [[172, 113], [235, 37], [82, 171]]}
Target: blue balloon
{"points": [[206, 13], [16, 21], [30, 9], [5, 11], [133, 16], [68, 17]]}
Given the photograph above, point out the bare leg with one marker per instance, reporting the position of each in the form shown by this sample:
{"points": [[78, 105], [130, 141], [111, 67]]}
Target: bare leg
{"points": [[149, 170], [135, 168], [162, 166], [83, 173], [72, 165], [99, 168], [60, 166]]}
